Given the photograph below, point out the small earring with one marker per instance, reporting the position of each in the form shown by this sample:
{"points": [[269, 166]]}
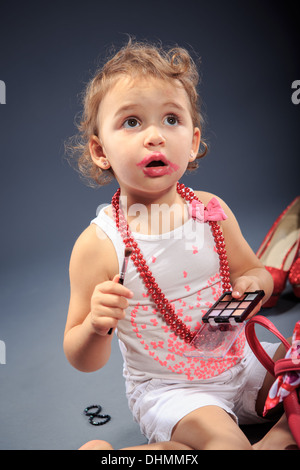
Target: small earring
{"points": [[105, 163]]}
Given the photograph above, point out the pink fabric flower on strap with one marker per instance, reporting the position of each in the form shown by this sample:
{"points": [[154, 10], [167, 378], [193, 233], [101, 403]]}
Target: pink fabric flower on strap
{"points": [[212, 212], [287, 371]]}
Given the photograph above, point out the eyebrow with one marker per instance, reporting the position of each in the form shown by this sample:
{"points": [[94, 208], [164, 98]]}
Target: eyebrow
{"points": [[131, 106], [126, 107], [174, 105]]}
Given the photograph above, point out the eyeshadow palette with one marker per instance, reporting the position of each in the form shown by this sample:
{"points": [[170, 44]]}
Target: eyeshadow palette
{"points": [[230, 310]]}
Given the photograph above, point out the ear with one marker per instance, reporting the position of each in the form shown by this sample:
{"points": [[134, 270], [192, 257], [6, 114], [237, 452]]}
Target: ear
{"points": [[97, 153], [195, 144]]}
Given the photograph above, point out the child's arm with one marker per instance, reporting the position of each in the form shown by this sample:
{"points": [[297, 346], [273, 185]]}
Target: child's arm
{"points": [[247, 273], [97, 301]]}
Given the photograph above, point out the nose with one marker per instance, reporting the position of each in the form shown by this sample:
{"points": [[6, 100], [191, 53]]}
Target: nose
{"points": [[154, 137]]}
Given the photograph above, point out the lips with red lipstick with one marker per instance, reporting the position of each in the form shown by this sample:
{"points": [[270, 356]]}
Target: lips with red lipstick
{"points": [[156, 164]]}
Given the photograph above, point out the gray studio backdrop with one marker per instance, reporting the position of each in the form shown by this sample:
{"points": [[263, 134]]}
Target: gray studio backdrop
{"points": [[48, 50]]}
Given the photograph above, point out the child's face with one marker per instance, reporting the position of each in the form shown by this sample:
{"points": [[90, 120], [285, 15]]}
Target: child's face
{"points": [[146, 133]]}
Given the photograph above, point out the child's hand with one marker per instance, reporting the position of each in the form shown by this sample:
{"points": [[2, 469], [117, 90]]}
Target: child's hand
{"points": [[108, 304], [246, 284]]}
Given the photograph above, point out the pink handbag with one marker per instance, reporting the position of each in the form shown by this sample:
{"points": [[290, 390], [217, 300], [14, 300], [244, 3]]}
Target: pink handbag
{"points": [[286, 388]]}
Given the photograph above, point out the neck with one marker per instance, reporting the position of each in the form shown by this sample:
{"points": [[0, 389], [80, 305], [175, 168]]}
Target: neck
{"points": [[167, 196], [154, 215]]}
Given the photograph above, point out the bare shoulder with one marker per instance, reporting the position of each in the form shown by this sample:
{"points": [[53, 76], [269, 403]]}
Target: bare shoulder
{"points": [[88, 244], [230, 224], [205, 197], [93, 255]]}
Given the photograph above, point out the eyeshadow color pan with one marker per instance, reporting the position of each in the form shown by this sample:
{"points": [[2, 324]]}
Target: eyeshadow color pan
{"points": [[244, 304], [223, 304], [227, 312], [235, 304], [250, 297], [237, 312], [227, 297]]}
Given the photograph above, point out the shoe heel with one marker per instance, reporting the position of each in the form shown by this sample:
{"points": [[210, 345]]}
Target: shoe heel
{"points": [[296, 290], [294, 276]]}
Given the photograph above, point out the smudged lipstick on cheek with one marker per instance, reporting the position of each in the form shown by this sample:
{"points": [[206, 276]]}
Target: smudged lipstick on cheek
{"points": [[157, 164]]}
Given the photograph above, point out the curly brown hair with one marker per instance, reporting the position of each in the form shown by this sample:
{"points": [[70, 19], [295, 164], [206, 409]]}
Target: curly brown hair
{"points": [[134, 59]]}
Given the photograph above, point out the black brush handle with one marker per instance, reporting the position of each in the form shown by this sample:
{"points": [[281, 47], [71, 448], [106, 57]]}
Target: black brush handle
{"points": [[122, 275]]}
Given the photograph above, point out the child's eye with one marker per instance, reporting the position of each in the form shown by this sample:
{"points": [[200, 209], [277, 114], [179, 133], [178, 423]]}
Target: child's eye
{"points": [[131, 123], [171, 120]]}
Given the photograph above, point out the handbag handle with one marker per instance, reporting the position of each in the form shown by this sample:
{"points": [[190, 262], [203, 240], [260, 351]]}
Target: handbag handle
{"points": [[255, 345]]}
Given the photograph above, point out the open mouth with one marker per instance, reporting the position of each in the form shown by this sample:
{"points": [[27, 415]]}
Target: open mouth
{"points": [[154, 160], [155, 163]]}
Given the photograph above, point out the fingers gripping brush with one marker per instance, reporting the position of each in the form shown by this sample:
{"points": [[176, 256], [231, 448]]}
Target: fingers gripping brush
{"points": [[127, 254]]}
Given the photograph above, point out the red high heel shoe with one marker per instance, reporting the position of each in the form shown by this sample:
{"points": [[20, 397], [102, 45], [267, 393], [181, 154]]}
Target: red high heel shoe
{"points": [[294, 276], [280, 247]]}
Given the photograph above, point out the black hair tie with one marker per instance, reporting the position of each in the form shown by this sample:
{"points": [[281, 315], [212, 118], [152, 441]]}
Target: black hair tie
{"points": [[95, 418]]}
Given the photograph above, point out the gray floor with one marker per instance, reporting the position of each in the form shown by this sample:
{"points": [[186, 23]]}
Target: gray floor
{"points": [[42, 396]]}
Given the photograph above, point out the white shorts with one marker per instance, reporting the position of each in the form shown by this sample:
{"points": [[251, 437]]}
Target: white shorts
{"points": [[158, 405]]}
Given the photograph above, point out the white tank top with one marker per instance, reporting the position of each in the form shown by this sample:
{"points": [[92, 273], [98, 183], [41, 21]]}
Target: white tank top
{"points": [[185, 265]]}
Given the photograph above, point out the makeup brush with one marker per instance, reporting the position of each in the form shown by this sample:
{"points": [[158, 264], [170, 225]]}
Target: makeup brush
{"points": [[127, 253]]}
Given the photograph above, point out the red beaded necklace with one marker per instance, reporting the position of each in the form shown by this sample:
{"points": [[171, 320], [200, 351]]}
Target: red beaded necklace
{"points": [[162, 303]]}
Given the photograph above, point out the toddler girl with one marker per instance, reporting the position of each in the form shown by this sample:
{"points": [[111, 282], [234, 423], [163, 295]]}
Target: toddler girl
{"points": [[142, 125]]}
